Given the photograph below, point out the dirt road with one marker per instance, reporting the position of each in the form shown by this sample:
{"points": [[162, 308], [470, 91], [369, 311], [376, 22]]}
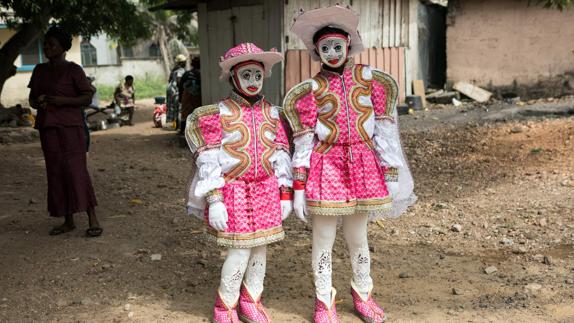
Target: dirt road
{"points": [[496, 196]]}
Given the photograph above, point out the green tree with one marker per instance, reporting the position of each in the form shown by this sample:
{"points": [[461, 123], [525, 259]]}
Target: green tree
{"points": [[121, 19], [552, 4], [172, 30]]}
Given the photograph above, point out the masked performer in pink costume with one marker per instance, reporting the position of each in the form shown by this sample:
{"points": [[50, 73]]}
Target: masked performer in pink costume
{"points": [[348, 160], [242, 182]]}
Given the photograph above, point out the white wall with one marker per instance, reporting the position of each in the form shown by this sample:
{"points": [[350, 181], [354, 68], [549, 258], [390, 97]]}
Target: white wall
{"points": [[140, 69], [106, 50]]}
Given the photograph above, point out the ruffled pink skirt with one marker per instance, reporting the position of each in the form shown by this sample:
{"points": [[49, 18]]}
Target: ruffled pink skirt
{"points": [[339, 185], [254, 214]]}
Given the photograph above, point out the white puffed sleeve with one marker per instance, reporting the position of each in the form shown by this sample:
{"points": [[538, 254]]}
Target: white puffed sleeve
{"points": [[203, 133]]}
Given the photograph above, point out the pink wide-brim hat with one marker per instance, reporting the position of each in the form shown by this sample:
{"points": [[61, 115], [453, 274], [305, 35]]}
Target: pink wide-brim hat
{"points": [[307, 23], [248, 52]]}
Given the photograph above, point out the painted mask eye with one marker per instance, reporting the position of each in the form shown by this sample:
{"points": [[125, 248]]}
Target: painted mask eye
{"points": [[246, 75], [258, 76], [338, 48], [324, 48]]}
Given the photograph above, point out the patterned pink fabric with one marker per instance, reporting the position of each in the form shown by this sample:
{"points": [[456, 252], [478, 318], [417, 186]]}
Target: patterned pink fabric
{"points": [[210, 126], [368, 311], [251, 193], [282, 140], [307, 108], [344, 167], [333, 177], [224, 314], [324, 314], [251, 206], [379, 98], [242, 49], [251, 310]]}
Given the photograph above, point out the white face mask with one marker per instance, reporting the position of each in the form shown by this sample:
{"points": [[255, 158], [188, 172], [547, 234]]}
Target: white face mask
{"points": [[333, 49], [248, 78]]}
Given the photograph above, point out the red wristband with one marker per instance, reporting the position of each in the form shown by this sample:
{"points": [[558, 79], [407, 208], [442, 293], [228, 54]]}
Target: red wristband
{"points": [[286, 196], [298, 185]]}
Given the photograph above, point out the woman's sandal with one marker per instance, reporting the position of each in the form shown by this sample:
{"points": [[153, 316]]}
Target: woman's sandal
{"points": [[64, 228], [94, 232]]}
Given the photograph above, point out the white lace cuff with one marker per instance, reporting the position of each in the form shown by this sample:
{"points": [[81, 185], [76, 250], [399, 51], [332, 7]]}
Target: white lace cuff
{"points": [[209, 172], [303, 148], [387, 143], [281, 162]]}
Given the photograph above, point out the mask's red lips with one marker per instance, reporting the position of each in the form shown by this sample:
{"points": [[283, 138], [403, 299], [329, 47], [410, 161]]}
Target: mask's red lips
{"points": [[333, 61], [252, 88]]}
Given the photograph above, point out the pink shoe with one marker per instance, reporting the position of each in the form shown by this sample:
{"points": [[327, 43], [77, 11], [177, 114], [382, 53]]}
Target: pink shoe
{"points": [[367, 310], [324, 313], [224, 314], [250, 310]]}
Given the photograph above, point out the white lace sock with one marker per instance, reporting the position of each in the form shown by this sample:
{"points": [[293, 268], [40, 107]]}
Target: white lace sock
{"points": [[324, 233], [255, 273], [355, 229], [232, 275]]}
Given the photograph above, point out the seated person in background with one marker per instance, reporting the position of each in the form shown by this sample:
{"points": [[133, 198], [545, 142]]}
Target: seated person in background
{"points": [[124, 97]]}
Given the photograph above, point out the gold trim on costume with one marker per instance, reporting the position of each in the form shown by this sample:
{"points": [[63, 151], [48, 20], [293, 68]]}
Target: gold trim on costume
{"points": [[193, 130], [362, 87], [290, 110], [246, 240], [324, 97], [236, 149], [335, 208], [269, 125], [391, 90]]}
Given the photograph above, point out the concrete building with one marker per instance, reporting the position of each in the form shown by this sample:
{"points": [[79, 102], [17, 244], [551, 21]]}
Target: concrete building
{"points": [[109, 62], [99, 56], [510, 47]]}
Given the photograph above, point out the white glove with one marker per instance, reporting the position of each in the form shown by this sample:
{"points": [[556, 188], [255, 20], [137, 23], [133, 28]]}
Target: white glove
{"points": [[393, 188], [218, 216], [286, 209], [300, 204]]}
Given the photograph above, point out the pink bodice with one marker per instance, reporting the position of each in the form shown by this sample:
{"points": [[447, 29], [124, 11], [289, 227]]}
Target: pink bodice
{"points": [[339, 108], [248, 135]]}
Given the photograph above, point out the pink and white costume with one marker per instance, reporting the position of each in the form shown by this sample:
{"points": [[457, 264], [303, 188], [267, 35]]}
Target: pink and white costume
{"points": [[242, 150], [348, 160], [241, 185], [345, 133]]}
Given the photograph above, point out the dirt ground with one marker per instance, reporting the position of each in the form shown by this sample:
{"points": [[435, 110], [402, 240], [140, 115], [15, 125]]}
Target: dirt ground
{"points": [[491, 194]]}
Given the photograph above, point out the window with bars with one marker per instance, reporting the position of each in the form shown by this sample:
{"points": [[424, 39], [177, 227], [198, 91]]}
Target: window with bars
{"points": [[89, 54], [127, 52], [154, 50], [32, 55]]}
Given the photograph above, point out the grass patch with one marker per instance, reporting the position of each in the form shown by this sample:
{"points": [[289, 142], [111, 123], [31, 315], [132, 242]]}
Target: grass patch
{"points": [[148, 87]]}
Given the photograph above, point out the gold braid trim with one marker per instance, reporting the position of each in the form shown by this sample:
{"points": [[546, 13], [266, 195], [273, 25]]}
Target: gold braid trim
{"points": [[236, 149], [391, 91], [290, 110], [269, 125], [192, 131], [362, 88], [324, 97]]}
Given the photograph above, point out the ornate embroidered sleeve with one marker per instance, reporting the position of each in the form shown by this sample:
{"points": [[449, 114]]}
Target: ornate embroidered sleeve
{"points": [[386, 134], [203, 134], [301, 111], [281, 158], [388, 144]]}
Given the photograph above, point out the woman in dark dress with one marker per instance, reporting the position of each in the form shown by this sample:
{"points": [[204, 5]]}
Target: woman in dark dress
{"points": [[59, 90]]}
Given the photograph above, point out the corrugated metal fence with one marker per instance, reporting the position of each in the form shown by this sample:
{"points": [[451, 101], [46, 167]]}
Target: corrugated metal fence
{"points": [[384, 28], [299, 66], [382, 24]]}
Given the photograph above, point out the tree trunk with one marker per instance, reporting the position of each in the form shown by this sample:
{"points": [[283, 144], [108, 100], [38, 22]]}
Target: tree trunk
{"points": [[11, 50], [164, 49]]}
